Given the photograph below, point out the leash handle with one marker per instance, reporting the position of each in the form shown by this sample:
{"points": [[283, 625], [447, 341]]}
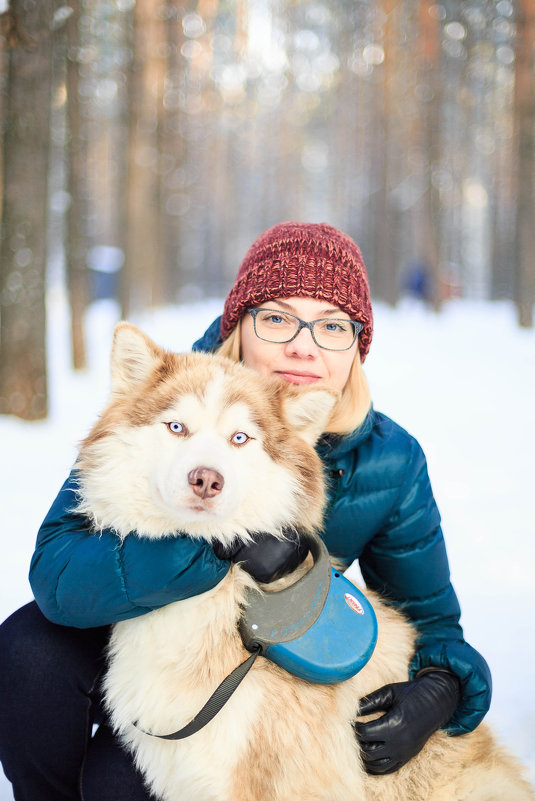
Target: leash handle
{"points": [[215, 703]]}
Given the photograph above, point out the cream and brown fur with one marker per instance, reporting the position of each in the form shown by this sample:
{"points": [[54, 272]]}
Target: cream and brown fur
{"points": [[278, 738]]}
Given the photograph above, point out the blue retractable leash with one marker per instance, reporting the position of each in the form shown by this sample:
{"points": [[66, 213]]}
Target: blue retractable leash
{"points": [[322, 629]]}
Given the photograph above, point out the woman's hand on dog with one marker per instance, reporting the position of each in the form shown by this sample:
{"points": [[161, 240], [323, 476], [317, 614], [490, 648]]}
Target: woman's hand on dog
{"points": [[266, 558], [414, 710]]}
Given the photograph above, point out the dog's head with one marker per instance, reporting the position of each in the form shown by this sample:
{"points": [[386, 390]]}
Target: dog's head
{"points": [[196, 443]]}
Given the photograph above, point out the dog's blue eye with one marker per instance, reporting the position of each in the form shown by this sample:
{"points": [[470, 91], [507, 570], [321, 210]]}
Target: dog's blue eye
{"points": [[176, 428], [239, 438]]}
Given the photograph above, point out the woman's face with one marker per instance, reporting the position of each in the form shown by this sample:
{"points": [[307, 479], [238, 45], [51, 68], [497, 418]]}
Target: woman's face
{"points": [[300, 361]]}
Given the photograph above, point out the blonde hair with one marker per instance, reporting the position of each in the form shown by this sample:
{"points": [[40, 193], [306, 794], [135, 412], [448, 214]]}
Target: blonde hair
{"points": [[354, 403]]}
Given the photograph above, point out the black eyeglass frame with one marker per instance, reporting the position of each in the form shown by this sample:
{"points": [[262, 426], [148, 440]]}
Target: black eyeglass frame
{"points": [[357, 327]]}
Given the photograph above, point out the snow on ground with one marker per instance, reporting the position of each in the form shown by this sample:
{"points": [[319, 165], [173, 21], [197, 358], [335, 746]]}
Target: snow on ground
{"points": [[463, 382]]}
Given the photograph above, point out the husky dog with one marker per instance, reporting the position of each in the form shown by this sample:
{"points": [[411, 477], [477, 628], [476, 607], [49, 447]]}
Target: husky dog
{"points": [[278, 738]]}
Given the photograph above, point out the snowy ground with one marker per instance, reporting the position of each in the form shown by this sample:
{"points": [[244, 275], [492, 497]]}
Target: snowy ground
{"points": [[462, 382]]}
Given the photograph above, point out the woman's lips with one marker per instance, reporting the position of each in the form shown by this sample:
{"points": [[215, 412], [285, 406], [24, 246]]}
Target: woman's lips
{"points": [[299, 378]]}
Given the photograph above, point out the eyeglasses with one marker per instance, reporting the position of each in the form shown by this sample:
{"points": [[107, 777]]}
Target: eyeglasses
{"points": [[273, 325]]}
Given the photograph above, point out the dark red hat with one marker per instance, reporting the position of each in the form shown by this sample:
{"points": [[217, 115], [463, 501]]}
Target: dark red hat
{"points": [[311, 260]]}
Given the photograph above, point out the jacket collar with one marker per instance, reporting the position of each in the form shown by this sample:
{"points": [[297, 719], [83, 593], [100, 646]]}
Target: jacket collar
{"points": [[334, 446], [329, 446], [211, 339]]}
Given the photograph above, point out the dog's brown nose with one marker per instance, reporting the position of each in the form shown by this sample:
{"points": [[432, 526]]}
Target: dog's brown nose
{"points": [[205, 482]]}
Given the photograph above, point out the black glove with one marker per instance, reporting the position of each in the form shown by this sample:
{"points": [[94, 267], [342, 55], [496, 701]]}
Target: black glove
{"points": [[414, 710], [266, 558]]}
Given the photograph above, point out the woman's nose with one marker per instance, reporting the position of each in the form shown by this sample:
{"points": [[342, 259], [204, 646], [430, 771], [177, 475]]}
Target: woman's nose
{"points": [[303, 345]]}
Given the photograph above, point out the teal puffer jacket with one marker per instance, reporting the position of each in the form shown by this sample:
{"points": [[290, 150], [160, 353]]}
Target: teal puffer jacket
{"points": [[381, 511]]}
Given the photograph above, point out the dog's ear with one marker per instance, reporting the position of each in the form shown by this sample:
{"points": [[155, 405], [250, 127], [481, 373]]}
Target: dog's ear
{"points": [[309, 410], [133, 358]]}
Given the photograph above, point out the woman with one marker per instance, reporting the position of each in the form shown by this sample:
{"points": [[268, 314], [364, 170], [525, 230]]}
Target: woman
{"points": [[299, 311]]}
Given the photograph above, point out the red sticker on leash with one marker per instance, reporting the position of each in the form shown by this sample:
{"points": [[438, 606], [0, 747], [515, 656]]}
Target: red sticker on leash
{"points": [[352, 602]]}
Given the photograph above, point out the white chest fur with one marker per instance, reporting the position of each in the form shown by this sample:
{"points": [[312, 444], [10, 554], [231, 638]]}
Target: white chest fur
{"points": [[163, 668]]}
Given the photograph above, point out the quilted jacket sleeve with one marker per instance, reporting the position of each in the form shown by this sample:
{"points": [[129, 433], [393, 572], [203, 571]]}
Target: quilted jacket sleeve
{"points": [[407, 563], [84, 579]]}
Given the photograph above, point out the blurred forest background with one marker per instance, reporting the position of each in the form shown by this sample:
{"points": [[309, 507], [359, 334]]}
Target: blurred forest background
{"points": [[144, 145]]}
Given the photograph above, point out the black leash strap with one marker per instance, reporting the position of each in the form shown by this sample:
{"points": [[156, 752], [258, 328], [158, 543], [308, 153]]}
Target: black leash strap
{"points": [[217, 701]]}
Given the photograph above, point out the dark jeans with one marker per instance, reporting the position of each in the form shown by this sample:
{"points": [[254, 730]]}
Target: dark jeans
{"points": [[49, 700]]}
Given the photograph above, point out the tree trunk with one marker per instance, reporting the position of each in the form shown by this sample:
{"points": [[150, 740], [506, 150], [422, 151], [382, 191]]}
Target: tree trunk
{"points": [[524, 115], [75, 244], [144, 247], [386, 283], [428, 206], [23, 390]]}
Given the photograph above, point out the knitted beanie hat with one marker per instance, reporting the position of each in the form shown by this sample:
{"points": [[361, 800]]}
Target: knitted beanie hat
{"points": [[311, 260]]}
